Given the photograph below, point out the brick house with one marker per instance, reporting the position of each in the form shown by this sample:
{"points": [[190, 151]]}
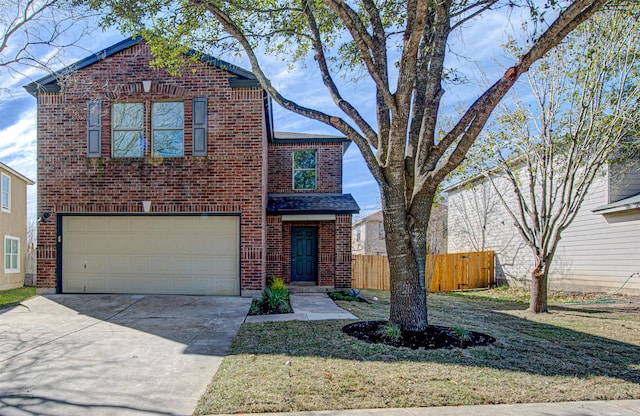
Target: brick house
{"points": [[154, 183]]}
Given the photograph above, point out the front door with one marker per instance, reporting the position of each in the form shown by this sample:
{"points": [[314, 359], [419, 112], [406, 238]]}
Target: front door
{"points": [[304, 254]]}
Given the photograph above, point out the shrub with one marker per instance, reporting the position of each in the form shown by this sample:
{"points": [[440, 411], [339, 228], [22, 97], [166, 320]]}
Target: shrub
{"points": [[390, 331], [274, 299], [277, 283], [352, 295], [461, 333]]}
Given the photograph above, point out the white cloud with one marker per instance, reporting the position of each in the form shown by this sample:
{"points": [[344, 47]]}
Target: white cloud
{"points": [[18, 150]]}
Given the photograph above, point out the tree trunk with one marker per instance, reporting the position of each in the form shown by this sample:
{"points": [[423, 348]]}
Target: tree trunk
{"points": [[539, 283], [408, 297], [407, 286]]}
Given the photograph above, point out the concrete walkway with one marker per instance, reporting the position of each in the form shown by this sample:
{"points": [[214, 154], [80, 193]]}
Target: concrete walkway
{"points": [[595, 408], [307, 307], [103, 355]]}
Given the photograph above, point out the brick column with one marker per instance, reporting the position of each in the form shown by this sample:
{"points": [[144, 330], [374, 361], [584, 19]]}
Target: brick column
{"points": [[343, 251]]}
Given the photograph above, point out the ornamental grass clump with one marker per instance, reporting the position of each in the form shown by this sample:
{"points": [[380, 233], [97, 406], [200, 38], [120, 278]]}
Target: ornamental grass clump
{"points": [[274, 299]]}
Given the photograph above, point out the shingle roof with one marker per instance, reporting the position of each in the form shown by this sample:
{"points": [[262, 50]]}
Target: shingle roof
{"points": [[311, 204], [49, 82]]}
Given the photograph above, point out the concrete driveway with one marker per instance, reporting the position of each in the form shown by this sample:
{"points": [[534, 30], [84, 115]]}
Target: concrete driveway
{"points": [[113, 354]]}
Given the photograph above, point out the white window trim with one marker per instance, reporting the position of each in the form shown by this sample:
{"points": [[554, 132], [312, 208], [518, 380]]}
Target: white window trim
{"points": [[7, 270], [2, 190]]}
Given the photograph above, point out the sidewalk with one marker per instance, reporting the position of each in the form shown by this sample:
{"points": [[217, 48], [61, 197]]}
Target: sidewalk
{"points": [[307, 307], [595, 408]]}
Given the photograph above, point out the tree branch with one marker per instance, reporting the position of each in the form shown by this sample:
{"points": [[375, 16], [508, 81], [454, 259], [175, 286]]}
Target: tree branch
{"points": [[335, 122]]}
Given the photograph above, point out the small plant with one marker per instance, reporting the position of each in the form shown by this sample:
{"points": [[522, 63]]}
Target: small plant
{"points": [[278, 284], [352, 295], [274, 299], [461, 333], [390, 332], [254, 309]]}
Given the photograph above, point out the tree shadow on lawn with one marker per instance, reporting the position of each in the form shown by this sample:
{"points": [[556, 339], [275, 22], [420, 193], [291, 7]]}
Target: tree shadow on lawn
{"points": [[568, 342]]}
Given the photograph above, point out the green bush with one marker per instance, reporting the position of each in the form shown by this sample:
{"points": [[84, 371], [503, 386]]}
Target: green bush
{"points": [[352, 295], [277, 283], [274, 299]]}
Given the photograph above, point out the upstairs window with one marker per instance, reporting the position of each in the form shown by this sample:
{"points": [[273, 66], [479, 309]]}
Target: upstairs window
{"points": [[11, 255], [5, 191], [304, 169], [127, 121], [167, 122]]}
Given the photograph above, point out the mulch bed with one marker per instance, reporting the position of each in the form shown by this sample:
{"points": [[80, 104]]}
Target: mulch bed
{"points": [[434, 337]]}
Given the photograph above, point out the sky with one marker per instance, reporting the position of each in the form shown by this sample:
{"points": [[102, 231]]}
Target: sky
{"points": [[476, 54]]}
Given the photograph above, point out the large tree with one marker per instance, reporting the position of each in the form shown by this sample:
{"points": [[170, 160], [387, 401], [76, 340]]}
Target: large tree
{"points": [[584, 111], [400, 46]]}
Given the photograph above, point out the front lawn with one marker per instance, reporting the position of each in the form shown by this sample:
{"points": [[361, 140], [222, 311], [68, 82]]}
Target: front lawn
{"points": [[12, 297], [577, 352]]}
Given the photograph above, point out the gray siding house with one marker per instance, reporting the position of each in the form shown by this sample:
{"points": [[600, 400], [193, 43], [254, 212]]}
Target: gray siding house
{"points": [[598, 252]]}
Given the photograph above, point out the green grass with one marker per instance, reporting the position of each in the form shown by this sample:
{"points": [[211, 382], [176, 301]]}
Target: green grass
{"points": [[521, 295], [12, 297], [573, 353]]}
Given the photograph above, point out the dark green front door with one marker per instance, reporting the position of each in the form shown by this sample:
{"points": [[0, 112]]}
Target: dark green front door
{"points": [[304, 254]]}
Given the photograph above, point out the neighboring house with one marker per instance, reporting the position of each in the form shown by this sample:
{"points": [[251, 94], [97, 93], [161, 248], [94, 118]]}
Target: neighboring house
{"points": [[13, 226], [155, 183], [599, 251], [368, 238]]}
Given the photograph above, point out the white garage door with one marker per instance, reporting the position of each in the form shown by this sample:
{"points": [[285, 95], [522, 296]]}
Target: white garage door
{"points": [[194, 255]]}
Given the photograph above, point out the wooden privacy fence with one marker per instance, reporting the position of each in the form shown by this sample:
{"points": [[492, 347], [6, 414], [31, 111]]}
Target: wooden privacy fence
{"points": [[448, 272]]}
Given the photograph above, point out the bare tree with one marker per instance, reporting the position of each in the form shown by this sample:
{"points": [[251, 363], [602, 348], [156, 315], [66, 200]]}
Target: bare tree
{"points": [[33, 33], [586, 105], [400, 46]]}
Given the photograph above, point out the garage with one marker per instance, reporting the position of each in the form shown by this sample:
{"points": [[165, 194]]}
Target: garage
{"points": [[182, 255]]}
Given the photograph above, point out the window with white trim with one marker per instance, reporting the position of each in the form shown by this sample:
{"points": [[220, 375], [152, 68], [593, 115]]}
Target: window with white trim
{"points": [[11, 254], [5, 192], [167, 122], [304, 169]]}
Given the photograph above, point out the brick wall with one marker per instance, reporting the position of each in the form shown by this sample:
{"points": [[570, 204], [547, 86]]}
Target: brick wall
{"points": [[334, 249], [329, 167], [343, 251], [229, 179]]}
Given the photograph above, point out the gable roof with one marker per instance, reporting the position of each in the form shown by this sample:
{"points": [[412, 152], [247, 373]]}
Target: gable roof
{"points": [[16, 173], [49, 83], [375, 217]]}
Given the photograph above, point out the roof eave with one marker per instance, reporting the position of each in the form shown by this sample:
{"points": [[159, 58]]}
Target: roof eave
{"points": [[49, 82], [243, 83], [313, 212], [17, 174], [613, 210]]}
